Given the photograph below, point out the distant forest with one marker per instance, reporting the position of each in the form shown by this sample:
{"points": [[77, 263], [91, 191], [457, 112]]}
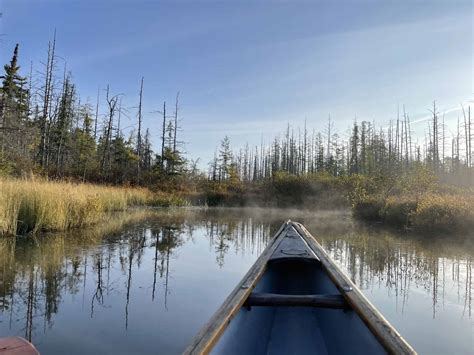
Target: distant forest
{"points": [[368, 151], [46, 129]]}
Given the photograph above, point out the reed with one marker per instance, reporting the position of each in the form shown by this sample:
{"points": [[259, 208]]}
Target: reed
{"points": [[31, 205]]}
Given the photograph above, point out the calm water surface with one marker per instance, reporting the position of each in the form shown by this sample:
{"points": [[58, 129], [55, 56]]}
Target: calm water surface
{"points": [[148, 286]]}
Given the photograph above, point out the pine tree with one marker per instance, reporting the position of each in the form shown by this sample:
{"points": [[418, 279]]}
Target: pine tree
{"points": [[13, 108], [225, 159], [83, 153], [354, 153], [62, 127]]}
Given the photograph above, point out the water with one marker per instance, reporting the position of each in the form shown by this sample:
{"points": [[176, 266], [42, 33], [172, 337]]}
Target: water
{"points": [[148, 286]]}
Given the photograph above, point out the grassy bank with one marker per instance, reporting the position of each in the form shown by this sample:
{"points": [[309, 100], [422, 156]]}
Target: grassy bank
{"points": [[28, 206], [413, 200], [430, 213], [416, 201]]}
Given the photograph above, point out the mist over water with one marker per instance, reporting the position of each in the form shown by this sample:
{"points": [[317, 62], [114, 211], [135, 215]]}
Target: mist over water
{"points": [[148, 286]]}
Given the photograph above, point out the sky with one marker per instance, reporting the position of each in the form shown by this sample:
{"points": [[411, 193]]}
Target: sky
{"points": [[247, 68]]}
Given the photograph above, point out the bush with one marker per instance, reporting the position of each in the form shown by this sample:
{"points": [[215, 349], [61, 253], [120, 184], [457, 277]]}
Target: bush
{"points": [[309, 191], [368, 209], [444, 213], [397, 211]]}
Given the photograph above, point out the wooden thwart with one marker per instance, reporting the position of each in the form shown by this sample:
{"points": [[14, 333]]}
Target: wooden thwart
{"points": [[278, 300]]}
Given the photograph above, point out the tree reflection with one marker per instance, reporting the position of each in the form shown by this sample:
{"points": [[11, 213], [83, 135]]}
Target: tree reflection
{"points": [[401, 264], [35, 276], [244, 236], [98, 295], [167, 238]]}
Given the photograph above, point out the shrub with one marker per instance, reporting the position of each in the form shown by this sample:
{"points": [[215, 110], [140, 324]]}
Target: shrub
{"points": [[444, 212], [397, 211], [368, 209]]}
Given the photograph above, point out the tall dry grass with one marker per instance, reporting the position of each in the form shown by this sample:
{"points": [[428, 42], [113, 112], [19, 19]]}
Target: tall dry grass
{"points": [[31, 205], [444, 212], [429, 212]]}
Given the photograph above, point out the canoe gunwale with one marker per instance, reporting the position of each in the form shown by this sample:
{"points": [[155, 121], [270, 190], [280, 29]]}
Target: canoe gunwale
{"points": [[385, 333]]}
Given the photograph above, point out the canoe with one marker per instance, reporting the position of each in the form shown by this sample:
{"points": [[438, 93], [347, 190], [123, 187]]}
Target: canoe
{"points": [[17, 346], [296, 300]]}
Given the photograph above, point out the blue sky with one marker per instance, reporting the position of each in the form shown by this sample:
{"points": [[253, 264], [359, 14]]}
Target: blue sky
{"points": [[246, 68]]}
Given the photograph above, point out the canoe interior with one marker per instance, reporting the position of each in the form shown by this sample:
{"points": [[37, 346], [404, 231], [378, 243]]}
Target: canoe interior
{"points": [[294, 270]]}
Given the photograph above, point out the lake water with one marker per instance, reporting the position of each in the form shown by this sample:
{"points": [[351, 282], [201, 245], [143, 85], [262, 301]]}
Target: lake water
{"points": [[147, 284]]}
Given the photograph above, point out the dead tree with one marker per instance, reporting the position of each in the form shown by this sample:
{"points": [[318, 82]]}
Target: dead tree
{"points": [[175, 122], [112, 106], [139, 135], [47, 98], [163, 137], [96, 114]]}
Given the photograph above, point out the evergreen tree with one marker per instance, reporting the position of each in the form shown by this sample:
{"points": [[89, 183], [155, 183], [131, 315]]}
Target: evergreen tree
{"points": [[354, 167], [13, 109], [83, 152], [225, 159]]}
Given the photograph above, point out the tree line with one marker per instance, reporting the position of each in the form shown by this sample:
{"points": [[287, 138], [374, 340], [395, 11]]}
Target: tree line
{"points": [[367, 150], [46, 128]]}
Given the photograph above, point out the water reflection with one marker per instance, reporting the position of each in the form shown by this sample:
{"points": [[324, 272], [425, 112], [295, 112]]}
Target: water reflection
{"points": [[118, 273], [402, 265]]}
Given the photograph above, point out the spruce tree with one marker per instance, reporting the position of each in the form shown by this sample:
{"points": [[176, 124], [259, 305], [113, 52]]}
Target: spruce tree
{"points": [[13, 108]]}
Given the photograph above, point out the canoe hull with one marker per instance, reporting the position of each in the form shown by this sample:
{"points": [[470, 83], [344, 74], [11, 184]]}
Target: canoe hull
{"points": [[295, 307], [296, 330], [17, 346]]}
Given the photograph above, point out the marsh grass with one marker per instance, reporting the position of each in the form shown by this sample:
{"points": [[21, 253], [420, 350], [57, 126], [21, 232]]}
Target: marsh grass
{"points": [[429, 212], [447, 212], [32, 205]]}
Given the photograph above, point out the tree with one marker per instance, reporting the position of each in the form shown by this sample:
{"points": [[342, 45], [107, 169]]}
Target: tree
{"points": [[13, 108], [139, 134], [47, 98], [106, 138], [147, 151], [61, 128], [85, 146], [225, 158], [354, 153]]}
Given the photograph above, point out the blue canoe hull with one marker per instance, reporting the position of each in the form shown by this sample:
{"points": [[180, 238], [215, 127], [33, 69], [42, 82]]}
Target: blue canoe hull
{"points": [[293, 302]]}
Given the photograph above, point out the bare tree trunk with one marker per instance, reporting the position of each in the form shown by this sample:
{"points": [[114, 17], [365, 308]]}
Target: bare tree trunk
{"points": [[163, 134], [112, 103], [139, 135], [175, 122], [466, 135], [470, 136], [435, 137], [96, 114], [47, 102], [405, 121], [397, 136], [444, 142], [119, 119]]}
